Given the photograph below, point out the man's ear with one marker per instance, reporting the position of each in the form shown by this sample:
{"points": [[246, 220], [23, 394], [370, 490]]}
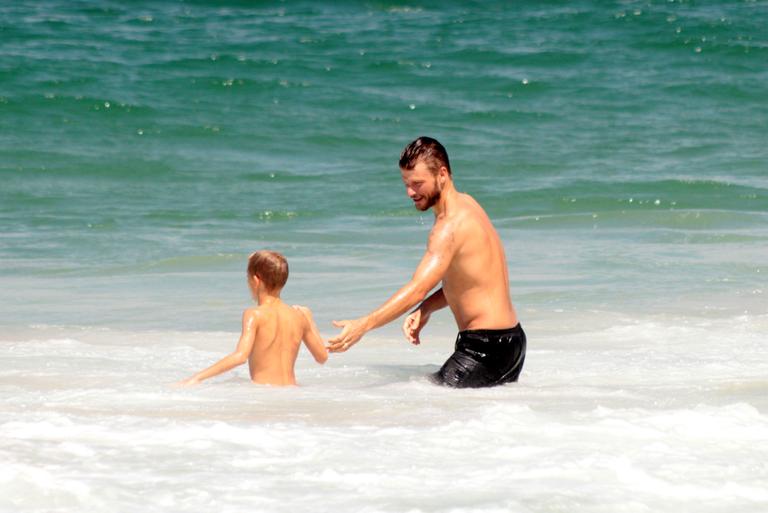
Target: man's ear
{"points": [[443, 173]]}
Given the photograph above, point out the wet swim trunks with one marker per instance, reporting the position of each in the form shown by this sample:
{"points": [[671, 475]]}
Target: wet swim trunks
{"points": [[484, 358]]}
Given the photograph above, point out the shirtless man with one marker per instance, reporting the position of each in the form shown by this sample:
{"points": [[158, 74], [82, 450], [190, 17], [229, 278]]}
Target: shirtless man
{"points": [[464, 252]]}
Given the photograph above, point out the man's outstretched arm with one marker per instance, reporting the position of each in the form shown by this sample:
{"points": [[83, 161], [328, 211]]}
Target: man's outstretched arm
{"points": [[431, 269]]}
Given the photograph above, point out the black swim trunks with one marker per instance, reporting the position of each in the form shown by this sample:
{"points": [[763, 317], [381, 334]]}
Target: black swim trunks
{"points": [[484, 358]]}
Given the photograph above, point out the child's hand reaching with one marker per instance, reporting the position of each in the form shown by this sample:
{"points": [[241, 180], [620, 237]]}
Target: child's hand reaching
{"points": [[186, 383]]}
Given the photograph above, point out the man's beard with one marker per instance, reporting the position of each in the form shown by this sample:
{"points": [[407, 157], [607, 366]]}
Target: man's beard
{"points": [[431, 200]]}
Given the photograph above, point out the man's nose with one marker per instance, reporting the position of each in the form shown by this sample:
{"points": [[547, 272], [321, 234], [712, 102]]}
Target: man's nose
{"points": [[410, 192]]}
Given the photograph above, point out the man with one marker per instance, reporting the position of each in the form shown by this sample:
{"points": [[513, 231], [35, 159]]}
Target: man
{"points": [[464, 252]]}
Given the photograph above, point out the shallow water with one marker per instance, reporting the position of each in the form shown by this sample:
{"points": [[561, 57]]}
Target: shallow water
{"points": [[650, 414], [145, 151]]}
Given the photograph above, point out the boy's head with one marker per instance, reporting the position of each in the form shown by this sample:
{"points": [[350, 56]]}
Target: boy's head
{"points": [[270, 267]]}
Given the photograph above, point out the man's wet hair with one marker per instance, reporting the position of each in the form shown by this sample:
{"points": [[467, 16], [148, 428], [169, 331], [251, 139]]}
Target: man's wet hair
{"points": [[427, 150], [270, 266]]}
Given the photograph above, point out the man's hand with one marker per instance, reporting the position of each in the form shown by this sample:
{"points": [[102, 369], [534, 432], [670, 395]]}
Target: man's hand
{"points": [[351, 333], [413, 324]]}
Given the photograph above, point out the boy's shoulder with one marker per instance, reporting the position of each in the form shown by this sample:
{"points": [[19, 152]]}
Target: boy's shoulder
{"points": [[254, 314], [259, 313], [305, 311]]}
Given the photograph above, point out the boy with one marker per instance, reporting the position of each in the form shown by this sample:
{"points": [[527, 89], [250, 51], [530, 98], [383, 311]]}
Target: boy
{"points": [[272, 332]]}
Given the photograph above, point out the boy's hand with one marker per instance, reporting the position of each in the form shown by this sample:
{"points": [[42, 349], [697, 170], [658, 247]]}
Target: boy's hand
{"points": [[185, 383]]}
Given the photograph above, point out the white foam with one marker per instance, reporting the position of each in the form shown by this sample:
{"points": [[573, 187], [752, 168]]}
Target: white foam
{"points": [[649, 415]]}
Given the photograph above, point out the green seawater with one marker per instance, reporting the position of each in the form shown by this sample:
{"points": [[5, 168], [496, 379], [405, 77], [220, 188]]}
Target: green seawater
{"points": [[621, 149]]}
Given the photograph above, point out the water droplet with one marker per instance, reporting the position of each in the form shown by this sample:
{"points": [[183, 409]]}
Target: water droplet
{"points": [[140, 131], [412, 106], [525, 81], [657, 202], [107, 105], [698, 49]]}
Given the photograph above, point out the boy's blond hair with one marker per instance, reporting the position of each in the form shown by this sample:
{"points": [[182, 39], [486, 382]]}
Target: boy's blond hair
{"points": [[270, 267]]}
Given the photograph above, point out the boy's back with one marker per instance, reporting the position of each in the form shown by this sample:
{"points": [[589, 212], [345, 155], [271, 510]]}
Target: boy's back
{"points": [[272, 332], [279, 331]]}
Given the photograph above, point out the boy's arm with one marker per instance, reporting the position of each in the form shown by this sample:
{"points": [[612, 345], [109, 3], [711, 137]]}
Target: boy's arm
{"points": [[311, 336], [237, 357]]}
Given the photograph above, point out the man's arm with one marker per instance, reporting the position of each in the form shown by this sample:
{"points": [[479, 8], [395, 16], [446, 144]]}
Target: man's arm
{"points": [[431, 269], [238, 357], [417, 319], [433, 303]]}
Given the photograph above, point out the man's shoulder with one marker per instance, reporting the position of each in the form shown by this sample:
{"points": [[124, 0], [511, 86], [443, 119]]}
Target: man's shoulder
{"points": [[467, 210], [471, 212], [470, 204]]}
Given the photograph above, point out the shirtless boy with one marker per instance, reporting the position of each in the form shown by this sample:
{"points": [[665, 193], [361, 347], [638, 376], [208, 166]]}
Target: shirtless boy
{"points": [[465, 254], [272, 332]]}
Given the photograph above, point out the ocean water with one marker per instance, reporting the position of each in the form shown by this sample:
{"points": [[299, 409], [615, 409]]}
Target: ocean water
{"points": [[146, 150]]}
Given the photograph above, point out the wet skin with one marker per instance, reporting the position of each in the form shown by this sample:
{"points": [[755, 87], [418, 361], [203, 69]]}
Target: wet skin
{"points": [[464, 254]]}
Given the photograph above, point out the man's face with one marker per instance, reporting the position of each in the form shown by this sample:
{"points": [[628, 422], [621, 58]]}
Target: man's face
{"points": [[421, 186]]}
